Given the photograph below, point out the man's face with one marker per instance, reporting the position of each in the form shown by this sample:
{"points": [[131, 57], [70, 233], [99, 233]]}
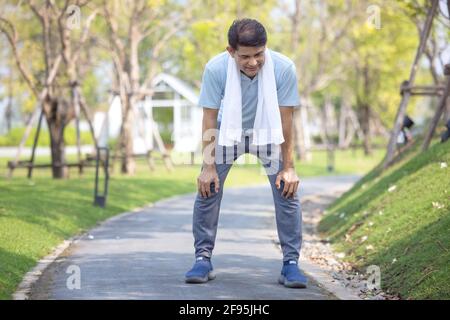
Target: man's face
{"points": [[249, 59]]}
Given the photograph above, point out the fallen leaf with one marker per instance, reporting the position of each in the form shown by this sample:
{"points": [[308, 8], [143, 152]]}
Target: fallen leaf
{"points": [[392, 188], [348, 238], [437, 205], [354, 227]]}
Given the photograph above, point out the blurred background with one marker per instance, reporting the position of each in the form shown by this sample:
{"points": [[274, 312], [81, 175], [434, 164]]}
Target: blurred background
{"points": [[82, 77], [126, 72]]}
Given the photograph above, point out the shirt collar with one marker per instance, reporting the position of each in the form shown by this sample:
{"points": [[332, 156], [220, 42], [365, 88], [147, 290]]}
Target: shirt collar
{"points": [[246, 78]]}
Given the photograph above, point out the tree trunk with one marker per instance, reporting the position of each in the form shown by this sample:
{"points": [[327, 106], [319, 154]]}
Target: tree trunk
{"points": [[306, 131], [8, 111], [300, 148], [329, 127], [299, 137], [437, 116], [57, 148], [8, 114], [447, 112], [342, 126], [323, 124], [367, 132], [58, 114], [128, 165]]}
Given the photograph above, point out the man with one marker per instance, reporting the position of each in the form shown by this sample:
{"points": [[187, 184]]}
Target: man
{"points": [[247, 48]]}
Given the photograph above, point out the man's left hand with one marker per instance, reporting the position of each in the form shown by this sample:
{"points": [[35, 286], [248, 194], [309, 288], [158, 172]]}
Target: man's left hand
{"points": [[291, 182]]}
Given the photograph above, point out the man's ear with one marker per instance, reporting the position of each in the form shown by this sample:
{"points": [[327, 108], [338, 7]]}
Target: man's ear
{"points": [[231, 50]]}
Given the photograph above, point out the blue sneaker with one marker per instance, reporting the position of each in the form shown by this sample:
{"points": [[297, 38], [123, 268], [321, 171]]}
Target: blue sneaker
{"points": [[291, 276], [201, 272]]}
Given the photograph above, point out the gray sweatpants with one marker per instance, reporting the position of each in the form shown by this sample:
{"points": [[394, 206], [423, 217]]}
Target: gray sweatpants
{"points": [[287, 211]]}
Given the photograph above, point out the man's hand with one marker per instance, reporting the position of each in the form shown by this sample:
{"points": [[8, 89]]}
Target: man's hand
{"points": [[291, 182], [204, 180]]}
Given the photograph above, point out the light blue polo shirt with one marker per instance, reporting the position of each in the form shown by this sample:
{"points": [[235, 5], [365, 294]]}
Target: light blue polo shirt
{"points": [[215, 77]]}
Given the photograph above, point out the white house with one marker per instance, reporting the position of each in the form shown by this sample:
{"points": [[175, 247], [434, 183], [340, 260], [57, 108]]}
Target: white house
{"points": [[187, 117]]}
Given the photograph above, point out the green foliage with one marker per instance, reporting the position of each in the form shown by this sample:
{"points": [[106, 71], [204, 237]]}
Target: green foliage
{"points": [[385, 55], [207, 34], [13, 138], [166, 137]]}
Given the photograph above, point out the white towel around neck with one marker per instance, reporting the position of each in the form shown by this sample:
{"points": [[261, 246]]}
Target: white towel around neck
{"points": [[267, 127]]}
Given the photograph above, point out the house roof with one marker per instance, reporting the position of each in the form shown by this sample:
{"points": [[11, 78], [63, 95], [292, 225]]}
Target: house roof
{"points": [[178, 86]]}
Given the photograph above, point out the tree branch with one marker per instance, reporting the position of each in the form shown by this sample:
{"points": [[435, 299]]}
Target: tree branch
{"points": [[85, 34], [112, 24], [12, 39]]}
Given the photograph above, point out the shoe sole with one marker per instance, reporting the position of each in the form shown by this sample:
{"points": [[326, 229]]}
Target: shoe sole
{"points": [[291, 284], [208, 277]]}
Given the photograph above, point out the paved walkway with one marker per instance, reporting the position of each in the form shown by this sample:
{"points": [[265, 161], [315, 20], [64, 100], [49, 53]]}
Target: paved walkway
{"points": [[145, 254]]}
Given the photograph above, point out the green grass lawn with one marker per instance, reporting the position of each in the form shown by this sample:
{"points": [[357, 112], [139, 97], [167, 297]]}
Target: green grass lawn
{"points": [[345, 162], [38, 214], [404, 231], [352, 161]]}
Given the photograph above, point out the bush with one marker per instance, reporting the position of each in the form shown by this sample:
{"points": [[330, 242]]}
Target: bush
{"points": [[70, 137], [12, 139]]}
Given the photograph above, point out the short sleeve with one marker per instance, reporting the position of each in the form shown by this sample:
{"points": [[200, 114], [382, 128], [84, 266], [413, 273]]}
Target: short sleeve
{"points": [[211, 91], [287, 91]]}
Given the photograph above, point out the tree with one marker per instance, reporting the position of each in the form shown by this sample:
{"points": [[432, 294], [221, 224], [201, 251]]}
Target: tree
{"points": [[379, 57], [54, 79], [138, 32], [315, 31], [434, 53], [432, 8], [207, 36]]}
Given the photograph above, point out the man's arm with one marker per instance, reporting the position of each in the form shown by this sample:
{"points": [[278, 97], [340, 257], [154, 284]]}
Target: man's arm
{"points": [[287, 174], [209, 173], [287, 145]]}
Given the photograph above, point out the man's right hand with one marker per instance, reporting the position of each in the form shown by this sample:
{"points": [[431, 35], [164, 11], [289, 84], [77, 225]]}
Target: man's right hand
{"points": [[204, 180]]}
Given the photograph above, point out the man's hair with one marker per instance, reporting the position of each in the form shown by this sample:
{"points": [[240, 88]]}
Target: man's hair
{"points": [[247, 33]]}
